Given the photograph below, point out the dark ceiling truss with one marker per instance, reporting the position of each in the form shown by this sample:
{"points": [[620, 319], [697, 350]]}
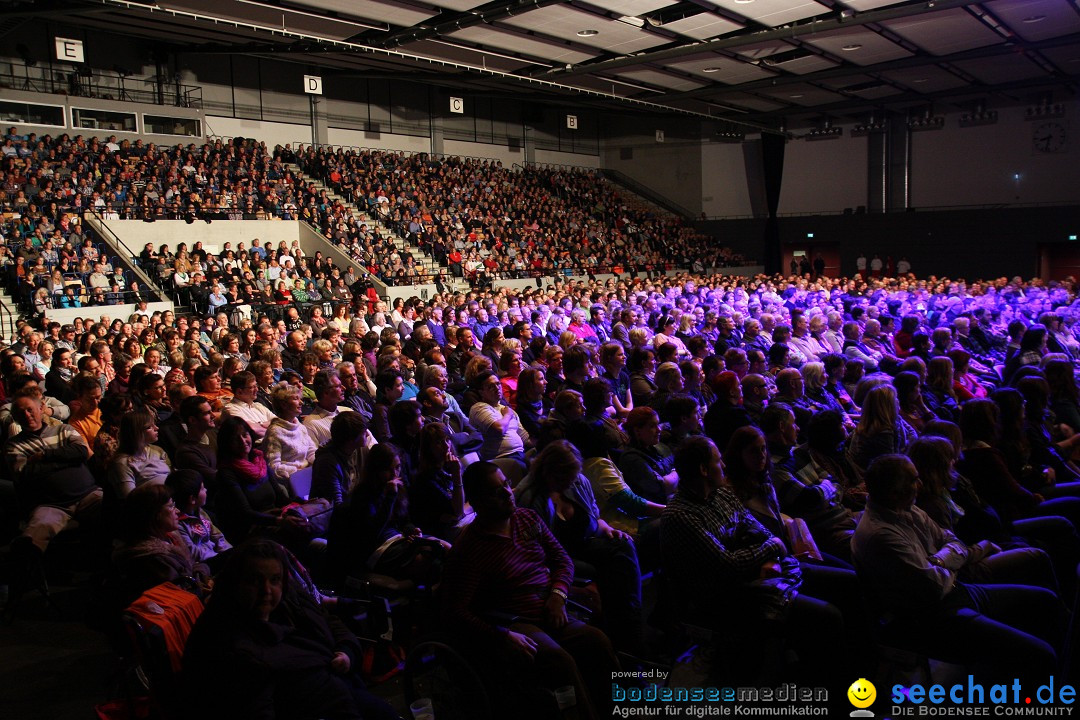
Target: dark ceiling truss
{"points": [[665, 77]]}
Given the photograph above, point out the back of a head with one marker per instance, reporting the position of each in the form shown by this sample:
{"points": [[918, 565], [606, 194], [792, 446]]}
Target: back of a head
{"points": [[979, 421], [888, 479], [691, 457], [774, 416], [589, 438], [475, 480]]}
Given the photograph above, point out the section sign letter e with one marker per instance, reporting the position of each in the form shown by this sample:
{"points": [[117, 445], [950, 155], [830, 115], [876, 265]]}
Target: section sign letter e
{"points": [[68, 50]]}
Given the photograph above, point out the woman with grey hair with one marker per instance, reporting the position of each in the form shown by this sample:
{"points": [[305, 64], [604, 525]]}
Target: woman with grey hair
{"points": [[289, 447]]}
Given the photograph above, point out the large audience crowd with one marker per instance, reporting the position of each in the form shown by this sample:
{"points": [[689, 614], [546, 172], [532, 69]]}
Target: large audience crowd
{"points": [[475, 218], [812, 468]]}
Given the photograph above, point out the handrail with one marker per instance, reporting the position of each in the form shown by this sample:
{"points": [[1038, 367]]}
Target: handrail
{"points": [[111, 238], [649, 194], [101, 85], [11, 320]]}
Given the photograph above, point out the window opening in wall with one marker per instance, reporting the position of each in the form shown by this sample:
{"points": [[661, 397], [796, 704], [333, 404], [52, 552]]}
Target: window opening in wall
{"points": [[163, 125], [31, 113], [110, 120]]}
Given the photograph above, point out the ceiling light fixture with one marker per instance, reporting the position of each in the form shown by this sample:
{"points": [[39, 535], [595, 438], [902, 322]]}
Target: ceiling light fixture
{"points": [[587, 33], [631, 20], [796, 95], [919, 80], [711, 69], [743, 2], [1034, 18], [852, 46]]}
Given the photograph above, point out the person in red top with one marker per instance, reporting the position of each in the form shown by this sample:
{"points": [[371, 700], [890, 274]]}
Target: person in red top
{"points": [[508, 563]]}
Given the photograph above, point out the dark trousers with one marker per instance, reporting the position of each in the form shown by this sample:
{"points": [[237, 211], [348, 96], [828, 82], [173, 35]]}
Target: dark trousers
{"points": [[578, 655], [1004, 631], [613, 564]]}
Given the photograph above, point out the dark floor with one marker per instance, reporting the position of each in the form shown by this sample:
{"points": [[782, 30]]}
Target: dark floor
{"points": [[55, 667]]}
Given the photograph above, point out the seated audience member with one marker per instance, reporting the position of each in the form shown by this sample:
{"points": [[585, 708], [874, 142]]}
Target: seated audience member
{"points": [[406, 421], [504, 438], [264, 646], [203, 540], [288, 444], [153, 551], [328, 396], [334, 467], [436, 495], [47, 462], [243, 404], [85, 415], [508, 563], [248, 501], [806, 491], [137, 461], [911, 568], [985, 463], [113, 410], [647, 464], [389, 388], [373, 533], [881, 430], [620, 506], [724, 564], [198, 450], [563, 498]]}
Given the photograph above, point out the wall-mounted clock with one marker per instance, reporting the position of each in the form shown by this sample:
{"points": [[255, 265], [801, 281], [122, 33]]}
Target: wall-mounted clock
{"points": [[1051, 136]]}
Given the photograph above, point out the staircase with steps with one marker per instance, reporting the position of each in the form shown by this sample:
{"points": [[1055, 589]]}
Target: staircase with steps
{"points": [[422, 259], [636, 196]]}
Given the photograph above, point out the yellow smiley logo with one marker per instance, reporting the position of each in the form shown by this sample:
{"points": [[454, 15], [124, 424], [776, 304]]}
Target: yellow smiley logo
{"points": [[862, 693]]}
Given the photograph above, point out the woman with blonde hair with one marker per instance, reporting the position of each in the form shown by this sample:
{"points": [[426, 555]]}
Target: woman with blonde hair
{"points": [[289, 447], [814, 392], [881, 430]]}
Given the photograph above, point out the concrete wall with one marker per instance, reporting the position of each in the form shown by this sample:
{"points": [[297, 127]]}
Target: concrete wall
{"points": [[498, 152], [824, 175], [136, 233], [979, 165], [723, 180], [554, 157], [672, 168], [385, 141], [271, 133], [108, 312]]}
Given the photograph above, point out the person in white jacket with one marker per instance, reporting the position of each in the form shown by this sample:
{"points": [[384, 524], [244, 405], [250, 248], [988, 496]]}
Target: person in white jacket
{"points": [[289, 446]]}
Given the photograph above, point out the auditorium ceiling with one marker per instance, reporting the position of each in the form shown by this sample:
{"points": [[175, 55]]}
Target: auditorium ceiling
{"points": [[763, 62]]}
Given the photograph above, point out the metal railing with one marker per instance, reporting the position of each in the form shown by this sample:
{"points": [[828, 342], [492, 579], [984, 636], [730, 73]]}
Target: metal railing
{"points": [[649, 194], [99, 85], [8, 318], [110, 238]]}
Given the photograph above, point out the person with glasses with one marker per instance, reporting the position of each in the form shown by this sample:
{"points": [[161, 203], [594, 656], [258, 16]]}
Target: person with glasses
{"points": [[505, 439], [152, 551]]}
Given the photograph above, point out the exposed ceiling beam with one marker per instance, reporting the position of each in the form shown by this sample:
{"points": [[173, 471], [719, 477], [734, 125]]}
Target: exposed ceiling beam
{"points": [[753, 37], [904, 63]]}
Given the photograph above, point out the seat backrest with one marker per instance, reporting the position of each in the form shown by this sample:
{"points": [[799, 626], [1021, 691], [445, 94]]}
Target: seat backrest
{"points": [[300, 483], [158, 624]]}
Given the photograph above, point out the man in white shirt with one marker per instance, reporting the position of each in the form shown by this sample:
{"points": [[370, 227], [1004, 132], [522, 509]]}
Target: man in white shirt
{"points": [[245, 389], [504, 438], [329, 394]]}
